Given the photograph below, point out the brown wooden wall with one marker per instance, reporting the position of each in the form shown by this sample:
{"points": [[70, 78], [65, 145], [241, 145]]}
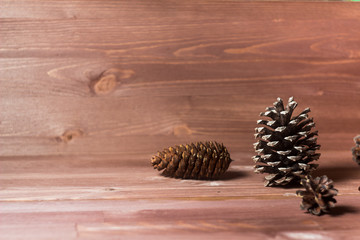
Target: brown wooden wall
{"points": [[89, 90], [132, 77]]}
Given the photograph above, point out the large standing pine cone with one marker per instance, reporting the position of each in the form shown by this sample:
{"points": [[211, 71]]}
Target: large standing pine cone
{"points": [[318, 196], [356, 150], [195, 161], [286, 145]]}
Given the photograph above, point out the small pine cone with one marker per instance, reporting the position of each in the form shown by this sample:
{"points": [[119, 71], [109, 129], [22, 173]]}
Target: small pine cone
{"points": [[356, 150], [193, 161], [318, 196], [286, 145]]}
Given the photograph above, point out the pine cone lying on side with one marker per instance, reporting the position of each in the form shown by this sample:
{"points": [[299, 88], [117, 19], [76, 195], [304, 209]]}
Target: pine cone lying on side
{"points": [[199, 160], [356, 150], [286, 145], [318, 196]]}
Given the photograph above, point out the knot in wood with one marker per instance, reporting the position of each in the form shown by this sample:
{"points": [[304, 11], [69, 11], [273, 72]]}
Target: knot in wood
{"points": [[69, 135], [105, 84]]}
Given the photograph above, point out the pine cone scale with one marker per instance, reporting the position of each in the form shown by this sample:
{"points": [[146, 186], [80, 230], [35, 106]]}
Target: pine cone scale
{"points": [[218, 167], [189, 168], [198, 163], [212, 164], [182, 165]]}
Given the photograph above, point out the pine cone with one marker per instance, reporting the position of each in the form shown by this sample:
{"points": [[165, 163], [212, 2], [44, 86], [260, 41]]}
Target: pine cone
{"points": [[319, 195], [195, 161], [356, 150], [285, 145]]}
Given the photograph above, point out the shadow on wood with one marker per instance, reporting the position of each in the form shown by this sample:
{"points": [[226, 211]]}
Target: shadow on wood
{"points": [[228, 175], [232, 174], [339, 173], [291, 185], [343, 209]]}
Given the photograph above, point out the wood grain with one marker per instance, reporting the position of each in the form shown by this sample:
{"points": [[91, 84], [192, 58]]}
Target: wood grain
{"points": [[89, 90]]}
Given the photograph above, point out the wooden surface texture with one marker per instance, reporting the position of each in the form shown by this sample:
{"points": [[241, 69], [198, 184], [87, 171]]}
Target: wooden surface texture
{"points": [[90, 90]]}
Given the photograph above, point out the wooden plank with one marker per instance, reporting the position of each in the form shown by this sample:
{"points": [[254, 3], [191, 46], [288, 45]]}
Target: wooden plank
{"points": [[21, 230], [142, 147], [136, 124], [64, 178], [169, 218], [57, 9]]}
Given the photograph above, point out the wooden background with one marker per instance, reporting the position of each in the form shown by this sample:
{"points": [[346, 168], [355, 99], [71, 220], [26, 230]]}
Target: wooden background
{"points": [[91, 89]]}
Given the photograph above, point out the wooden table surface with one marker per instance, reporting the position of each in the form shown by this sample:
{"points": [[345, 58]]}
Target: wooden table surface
{"points": [[90, 90]]}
